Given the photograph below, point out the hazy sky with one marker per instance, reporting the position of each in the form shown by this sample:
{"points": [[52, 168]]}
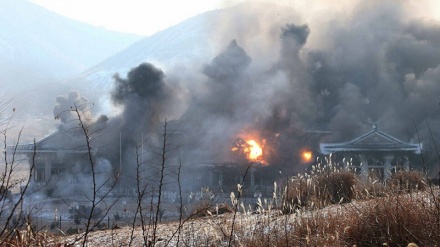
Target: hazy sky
{"points": [[143, 17]]}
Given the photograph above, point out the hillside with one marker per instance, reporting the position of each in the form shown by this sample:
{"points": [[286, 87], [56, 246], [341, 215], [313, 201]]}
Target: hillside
{"points": [[39, 50], [184, 48], [37, 45]]}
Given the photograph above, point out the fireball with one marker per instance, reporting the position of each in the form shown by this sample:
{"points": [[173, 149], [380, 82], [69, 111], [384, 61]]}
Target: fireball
{"points": [[250, 148], [254, 150], [306, 156]]}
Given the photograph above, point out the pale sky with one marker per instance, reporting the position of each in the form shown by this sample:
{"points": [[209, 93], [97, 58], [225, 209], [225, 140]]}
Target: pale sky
{"points": [[146, 17], [143, 17]]}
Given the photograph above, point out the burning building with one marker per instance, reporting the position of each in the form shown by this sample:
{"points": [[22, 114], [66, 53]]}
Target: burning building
{"points": [[255, 105]]}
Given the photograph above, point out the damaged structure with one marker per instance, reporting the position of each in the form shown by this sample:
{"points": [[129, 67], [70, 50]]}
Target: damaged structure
{"points": [[61, 164], [224, 177], [374, 155], [55, 163]]}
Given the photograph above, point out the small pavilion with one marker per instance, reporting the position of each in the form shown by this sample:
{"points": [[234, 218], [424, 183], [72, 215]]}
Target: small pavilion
{"points": [[58, 157], [374, 155]]}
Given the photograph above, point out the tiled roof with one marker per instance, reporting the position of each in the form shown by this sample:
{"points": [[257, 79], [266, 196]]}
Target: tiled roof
{"points": [[57, 141], [374, 140]]}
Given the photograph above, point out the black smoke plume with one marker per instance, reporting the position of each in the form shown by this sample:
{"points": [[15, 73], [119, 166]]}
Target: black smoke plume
{"points": [[144, 96], [282, 80]]}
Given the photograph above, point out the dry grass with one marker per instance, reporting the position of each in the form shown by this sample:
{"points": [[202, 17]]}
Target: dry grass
{"points": [[325, 209], [395, 220], [366, 190], [335, 187], [208, 209], [394, 215], [26, 236], [297, 194], [407, 181], [318, 191]]}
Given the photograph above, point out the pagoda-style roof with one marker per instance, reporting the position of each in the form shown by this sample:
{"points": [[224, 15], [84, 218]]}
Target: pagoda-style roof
{"points": [[59, 141], [372, 141]]}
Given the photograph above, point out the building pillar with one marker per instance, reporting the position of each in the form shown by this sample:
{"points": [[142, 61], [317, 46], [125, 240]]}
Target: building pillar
{"points": [[261, 184], [406, 165], [47, 169], [210, 178], [252, 179], [220, 178], [387, 166], [364, 167]]}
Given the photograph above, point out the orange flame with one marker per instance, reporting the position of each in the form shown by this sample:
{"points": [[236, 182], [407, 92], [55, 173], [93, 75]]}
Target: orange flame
{"points": [[306, 156], [250, 148], [254, 151]]}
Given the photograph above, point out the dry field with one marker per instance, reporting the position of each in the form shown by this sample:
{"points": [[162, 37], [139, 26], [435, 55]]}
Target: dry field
{"points": [[326, 209], [348, 224], [380, 218]]}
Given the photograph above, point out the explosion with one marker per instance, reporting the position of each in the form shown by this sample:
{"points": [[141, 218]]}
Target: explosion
{"points": [[250, 148], [255, 150], [306, 156]]}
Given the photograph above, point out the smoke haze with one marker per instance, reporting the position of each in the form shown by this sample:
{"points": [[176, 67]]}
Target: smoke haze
{"points": [[278, 74]]}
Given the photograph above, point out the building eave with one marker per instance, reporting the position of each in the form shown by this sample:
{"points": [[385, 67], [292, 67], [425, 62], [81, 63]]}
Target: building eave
{"points": [[392, 145], [330, 148]]}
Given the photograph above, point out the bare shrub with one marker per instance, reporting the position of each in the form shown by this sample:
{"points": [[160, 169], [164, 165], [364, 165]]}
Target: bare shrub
{"points": [[319, 190], [203, 203], [296, 194], [370, 189], [407, 181], [203, 208], [15, 223], [206, 208], [316, 228], [395, 221], [392, 221], [335, 187]]}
